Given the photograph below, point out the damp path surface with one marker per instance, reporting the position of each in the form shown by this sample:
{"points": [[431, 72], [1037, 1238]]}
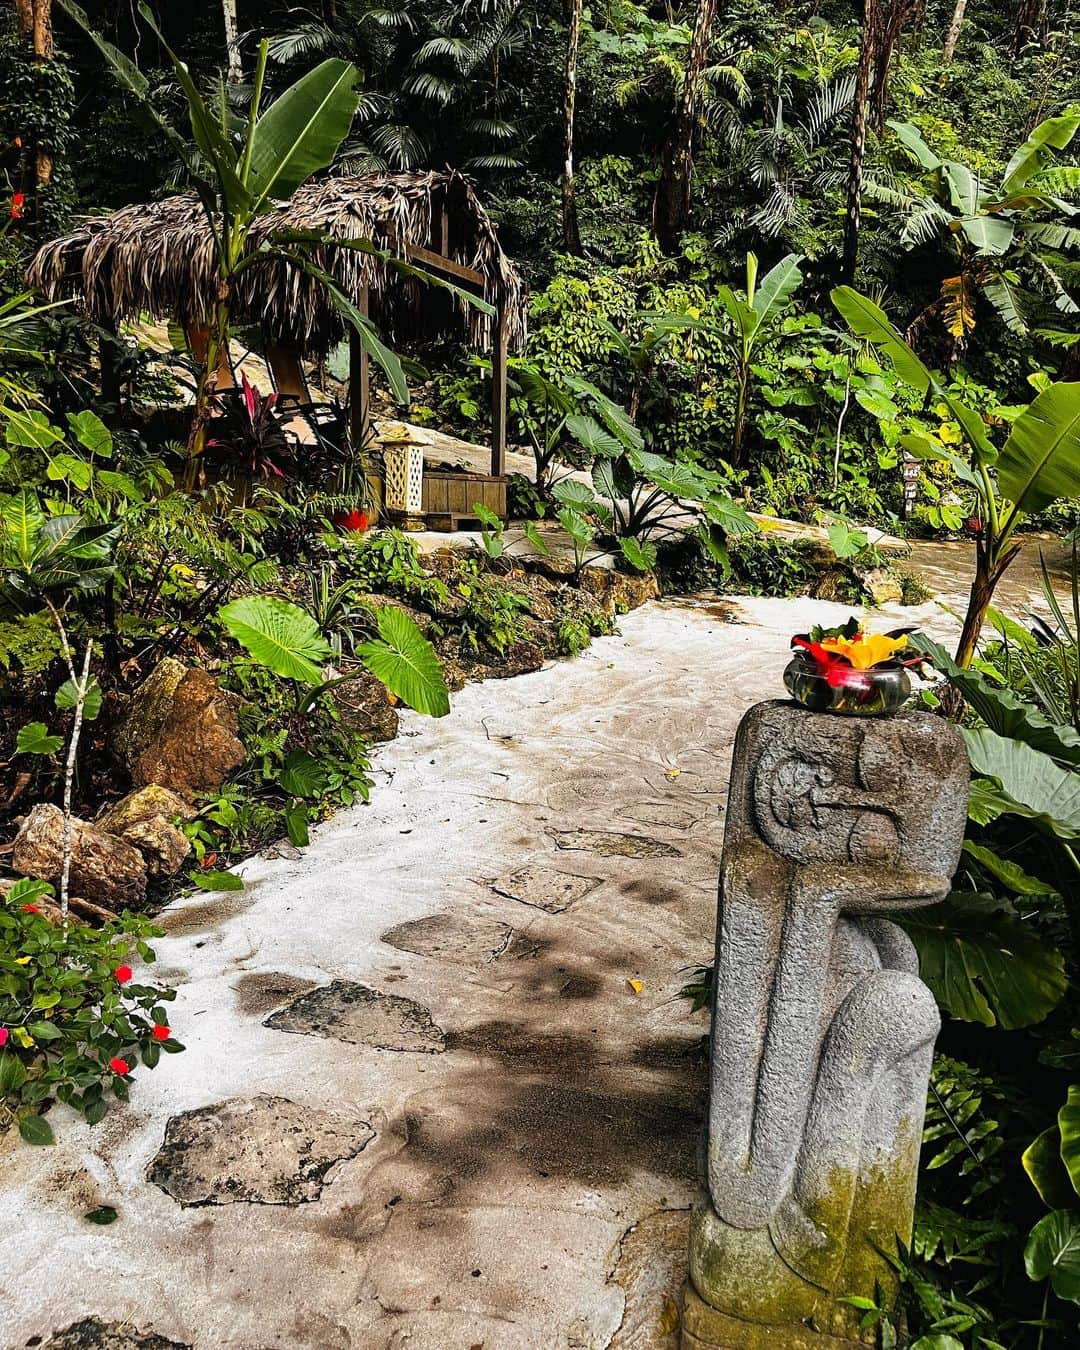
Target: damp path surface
{"points": [[422, 1104]]}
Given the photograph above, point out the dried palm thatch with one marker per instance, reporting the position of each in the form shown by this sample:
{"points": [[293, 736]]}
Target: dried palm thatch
{"points": [[158, 259]]}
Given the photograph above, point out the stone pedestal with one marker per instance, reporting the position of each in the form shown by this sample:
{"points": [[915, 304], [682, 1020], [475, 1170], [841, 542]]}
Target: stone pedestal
{"points": [[822, 1031]]}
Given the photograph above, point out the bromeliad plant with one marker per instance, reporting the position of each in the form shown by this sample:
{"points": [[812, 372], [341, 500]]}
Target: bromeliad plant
{"points": [[1038, 464], [73, 1022]]}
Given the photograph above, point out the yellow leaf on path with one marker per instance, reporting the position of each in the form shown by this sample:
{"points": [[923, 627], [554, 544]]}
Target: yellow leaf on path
{"points": [[635, 985], [672, 774]]}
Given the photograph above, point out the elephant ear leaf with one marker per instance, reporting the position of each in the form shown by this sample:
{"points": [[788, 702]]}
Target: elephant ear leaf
{"points": [[983, 965], [406, 663], [279, 635], [1053, 1253], [1043, 1164]]}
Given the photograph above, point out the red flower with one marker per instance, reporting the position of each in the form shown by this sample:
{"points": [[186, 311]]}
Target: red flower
{"points": [[161, 1033], [355, 519], [31, 909], [120, 1066], [18, 201], [123, 974], [836, 669], [4, 1034]]}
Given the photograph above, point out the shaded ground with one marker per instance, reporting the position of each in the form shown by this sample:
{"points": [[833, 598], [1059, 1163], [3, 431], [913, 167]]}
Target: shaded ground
{"points": [[422, 1102]]}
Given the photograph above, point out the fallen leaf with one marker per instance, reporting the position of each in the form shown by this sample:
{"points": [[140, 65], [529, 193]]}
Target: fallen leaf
{"points": [[635, 985], [669, 1316], [672, 774]]}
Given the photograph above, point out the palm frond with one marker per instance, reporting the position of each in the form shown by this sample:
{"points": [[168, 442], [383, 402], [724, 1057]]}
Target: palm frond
{"points": [[826, 106]]}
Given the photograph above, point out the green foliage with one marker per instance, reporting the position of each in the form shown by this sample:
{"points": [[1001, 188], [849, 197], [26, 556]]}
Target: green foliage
{"points": [[75, 1027]]}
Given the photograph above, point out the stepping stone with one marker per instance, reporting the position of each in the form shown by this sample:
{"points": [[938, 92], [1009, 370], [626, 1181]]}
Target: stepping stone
{"points": [[265, 1150], [545, 888], [612, 845], [357, 1015], [465, 941], [92, 1334]]}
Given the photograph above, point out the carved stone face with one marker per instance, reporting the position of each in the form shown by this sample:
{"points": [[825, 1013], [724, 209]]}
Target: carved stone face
{"points": [[828, 789]]}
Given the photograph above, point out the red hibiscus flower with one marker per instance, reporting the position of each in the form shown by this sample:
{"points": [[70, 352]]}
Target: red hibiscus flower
{"points": [[31, 909], [119, 1066], [355, 520], [161, 1033], [18, 201], [122, 974]]}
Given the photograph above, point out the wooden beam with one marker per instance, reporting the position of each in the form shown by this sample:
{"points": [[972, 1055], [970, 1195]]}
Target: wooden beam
{"points": [[435, 260], [498, 395], [359, 382]]}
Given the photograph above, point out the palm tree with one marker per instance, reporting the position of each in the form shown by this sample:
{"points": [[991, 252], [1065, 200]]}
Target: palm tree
{"points": [[432, 79], [672, 204], [571, 234], [883, 21], [994, 231]]}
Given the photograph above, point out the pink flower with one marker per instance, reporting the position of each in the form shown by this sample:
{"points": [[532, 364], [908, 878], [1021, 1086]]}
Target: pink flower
{"points": [[4, 1034]]}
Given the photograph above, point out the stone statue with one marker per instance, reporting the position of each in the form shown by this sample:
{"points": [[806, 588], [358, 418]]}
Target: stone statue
{"points": [[822, 1031]]}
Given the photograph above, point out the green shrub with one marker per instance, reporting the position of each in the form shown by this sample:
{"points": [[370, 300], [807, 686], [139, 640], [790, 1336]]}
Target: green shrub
{"points": [[73, 1025]]}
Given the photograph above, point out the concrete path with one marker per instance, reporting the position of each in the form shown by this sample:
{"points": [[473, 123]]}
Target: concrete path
{"points": [[438, 1090]]}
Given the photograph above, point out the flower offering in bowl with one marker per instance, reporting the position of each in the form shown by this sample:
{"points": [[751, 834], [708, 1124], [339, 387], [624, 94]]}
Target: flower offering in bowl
{"points": [[844, 670]]}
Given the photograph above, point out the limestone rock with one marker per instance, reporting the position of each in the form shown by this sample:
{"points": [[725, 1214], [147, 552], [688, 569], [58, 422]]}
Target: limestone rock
{"points": [[93, 1333], [144, 819], [103, 866], [180, 731], [882, 585], [263, 1150], [619, 592]]}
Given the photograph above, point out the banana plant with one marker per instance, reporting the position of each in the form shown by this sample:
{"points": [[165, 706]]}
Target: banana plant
{"points": [[1038, 464], [243, 170], [751, 324], [994, 230]]}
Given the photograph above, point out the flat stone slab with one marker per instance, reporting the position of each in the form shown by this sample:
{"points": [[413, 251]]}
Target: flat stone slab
{"points": [[93, 1334], [610, 844], [264, 1150], [463, 939], [671, 815], [344, 1011], [545, 888]]}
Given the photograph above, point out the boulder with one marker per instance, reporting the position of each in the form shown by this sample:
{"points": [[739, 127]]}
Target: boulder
{"points": [[144, 819], [104, 867], [365, 708], [180, 731], [619, 592], [882, 585]]}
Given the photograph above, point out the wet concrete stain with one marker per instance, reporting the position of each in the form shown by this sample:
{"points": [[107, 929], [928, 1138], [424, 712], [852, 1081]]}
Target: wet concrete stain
{"points": [[262, 991], [357, 1015], [651, 892], [263, 1150], [93, 1334], [205, 915], [545, 888], [610, 844], [670, 815]]}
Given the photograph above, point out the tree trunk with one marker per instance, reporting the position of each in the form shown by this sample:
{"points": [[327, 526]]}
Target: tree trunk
{"points": [[570, 231], [672, 204], [234, 67], [1030, 23], [954, 30], [859, 111], [34, 18]]}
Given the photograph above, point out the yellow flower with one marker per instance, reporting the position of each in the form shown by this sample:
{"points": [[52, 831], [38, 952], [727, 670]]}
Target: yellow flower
{"points": [[864, 652]]}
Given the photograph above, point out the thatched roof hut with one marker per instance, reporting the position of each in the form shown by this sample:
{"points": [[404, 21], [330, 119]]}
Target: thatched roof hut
{"points": [[157, 259]]}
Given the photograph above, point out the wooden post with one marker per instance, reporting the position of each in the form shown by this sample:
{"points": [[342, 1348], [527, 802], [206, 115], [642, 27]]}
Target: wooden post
{"points": [[359, 382], [110, 373], [498, 396]]}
